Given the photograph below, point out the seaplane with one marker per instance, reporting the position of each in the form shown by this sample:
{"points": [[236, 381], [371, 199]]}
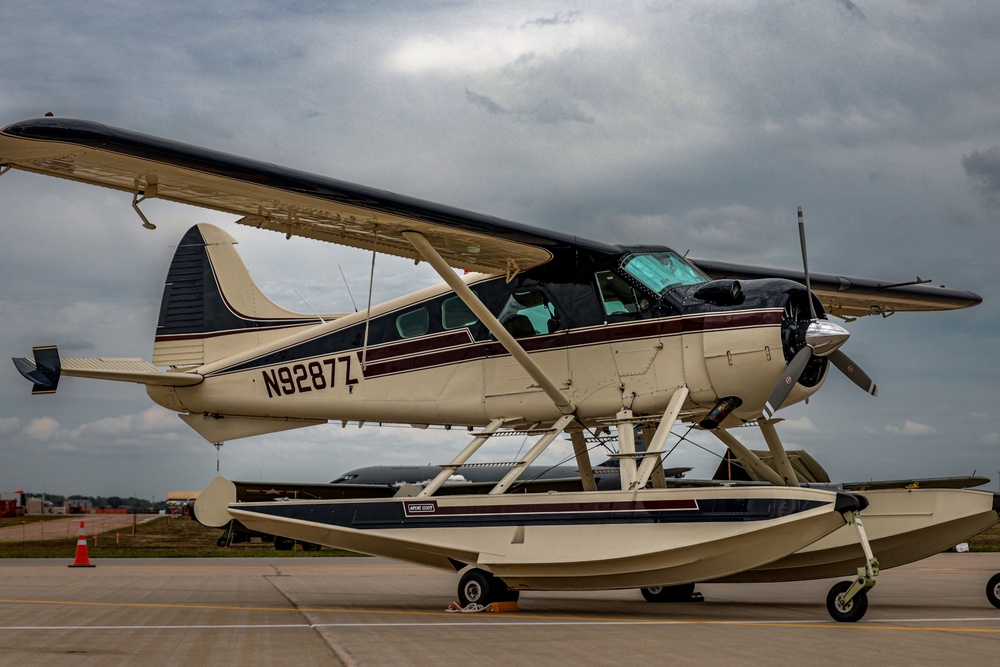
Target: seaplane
{"points": [[545, 334]]}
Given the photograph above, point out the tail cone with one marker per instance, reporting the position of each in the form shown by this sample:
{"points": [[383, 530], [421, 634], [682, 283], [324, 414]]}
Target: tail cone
{"points": [[82, 560]]}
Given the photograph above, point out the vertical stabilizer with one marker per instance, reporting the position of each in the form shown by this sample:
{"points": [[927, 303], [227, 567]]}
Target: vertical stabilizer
{"points": [[212, 307]]}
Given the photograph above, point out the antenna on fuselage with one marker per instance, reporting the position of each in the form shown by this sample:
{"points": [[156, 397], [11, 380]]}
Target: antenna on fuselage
{"points": [[348, 287], [309, 306]]}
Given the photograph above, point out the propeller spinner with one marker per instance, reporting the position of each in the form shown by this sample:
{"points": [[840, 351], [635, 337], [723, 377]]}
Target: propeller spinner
{"points": [[822, 339]]}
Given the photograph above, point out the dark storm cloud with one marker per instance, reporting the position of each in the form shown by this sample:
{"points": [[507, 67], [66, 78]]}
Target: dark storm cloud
{"points": [[983, 169], [851, 8], [547, 111], [558, 18], [695, 125]]}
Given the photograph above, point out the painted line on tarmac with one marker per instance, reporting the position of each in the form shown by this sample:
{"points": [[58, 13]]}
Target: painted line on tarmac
{"points": [[527, 620], [816, 625]]}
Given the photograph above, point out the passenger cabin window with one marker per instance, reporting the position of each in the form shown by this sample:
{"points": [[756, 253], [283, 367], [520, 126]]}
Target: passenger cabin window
{"points": [[660, 271], [413, 323], [529, 313], [617, 296], [455, 314]]}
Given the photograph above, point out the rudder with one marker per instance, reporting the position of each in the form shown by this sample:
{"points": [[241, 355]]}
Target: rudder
{"points": [[211, 306]]}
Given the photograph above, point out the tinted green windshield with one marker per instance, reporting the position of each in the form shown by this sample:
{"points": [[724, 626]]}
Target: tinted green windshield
{"points": [[659, 271]]}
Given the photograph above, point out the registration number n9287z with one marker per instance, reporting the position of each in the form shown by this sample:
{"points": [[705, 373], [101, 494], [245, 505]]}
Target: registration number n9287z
{"points": [[309, 376]]}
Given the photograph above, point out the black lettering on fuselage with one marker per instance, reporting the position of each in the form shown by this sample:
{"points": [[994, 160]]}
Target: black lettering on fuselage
{"points": [[348, 378], [305, 377]]}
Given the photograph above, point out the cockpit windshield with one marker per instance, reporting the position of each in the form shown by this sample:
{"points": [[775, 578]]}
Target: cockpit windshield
{"points": [[660, 271]]}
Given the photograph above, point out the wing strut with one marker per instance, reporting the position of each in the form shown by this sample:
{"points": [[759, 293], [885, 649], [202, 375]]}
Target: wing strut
{"points": [[429, 253]]}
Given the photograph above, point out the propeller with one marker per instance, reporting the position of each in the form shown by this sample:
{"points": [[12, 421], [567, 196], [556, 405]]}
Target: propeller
{"points": [[822, 339]]}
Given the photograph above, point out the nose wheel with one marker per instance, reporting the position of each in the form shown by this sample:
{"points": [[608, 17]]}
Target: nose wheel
{"points": [[845, 610]]}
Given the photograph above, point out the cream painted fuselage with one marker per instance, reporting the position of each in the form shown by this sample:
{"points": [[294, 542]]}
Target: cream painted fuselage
{"points": [[424, 359]]}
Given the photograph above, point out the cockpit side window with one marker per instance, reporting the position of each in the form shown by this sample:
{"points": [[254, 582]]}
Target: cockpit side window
{"points": [[660, 271], [617, 296], [529, 313], [455, 314], [413, 323]]}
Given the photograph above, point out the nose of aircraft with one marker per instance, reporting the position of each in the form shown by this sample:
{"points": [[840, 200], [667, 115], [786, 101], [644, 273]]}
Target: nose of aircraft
{"points": [[825, 337]]}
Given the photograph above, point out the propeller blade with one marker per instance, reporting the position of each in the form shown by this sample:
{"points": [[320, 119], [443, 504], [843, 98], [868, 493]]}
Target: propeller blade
{"points": [[853, 372], [805, 263], [787, 381]]}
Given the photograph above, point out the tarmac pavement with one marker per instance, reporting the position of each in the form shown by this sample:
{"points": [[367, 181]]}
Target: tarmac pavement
{"points": [[372, 611]]}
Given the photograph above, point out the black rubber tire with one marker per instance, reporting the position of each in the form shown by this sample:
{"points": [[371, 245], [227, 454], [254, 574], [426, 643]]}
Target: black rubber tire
{"points": [[993, 590], [283, 544], [310, 546], [505, 594], [476, 587], [679, 593], [853, 611]]}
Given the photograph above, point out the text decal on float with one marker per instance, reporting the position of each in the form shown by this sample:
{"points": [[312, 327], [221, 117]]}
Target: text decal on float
{"points": [[426, 507], [311, 376]]}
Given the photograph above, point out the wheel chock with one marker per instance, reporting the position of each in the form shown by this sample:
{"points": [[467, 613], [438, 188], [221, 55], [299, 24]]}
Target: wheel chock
{"points": [[473, 608]]}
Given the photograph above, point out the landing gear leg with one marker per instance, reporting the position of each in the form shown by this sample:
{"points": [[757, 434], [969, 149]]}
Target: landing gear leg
{"points": [[847, 601]]}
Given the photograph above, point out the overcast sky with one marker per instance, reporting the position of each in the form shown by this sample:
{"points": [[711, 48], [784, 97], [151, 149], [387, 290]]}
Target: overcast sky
{"points": [[698, 125]]}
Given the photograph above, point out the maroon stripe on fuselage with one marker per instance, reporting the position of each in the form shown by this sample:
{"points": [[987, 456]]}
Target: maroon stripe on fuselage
{"points": [[411, 358], [419, 345]]}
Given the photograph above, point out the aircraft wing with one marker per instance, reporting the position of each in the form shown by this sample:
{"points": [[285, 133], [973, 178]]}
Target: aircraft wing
{"points": [[271, 197], [850, 298], [297, 203]]}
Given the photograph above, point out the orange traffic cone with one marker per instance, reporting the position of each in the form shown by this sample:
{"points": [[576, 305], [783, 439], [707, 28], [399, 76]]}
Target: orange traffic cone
{"points": [[82, 560]]}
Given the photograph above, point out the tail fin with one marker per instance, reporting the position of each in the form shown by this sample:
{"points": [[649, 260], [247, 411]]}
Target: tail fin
{"points": [[211, 307]]}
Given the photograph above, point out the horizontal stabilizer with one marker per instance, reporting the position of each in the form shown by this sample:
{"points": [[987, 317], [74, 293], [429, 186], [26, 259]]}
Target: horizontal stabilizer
{"points": [[127, 370], [45, 370]]}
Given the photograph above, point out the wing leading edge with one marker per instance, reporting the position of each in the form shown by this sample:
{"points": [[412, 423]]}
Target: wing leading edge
{"points": [[267, 196]]}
